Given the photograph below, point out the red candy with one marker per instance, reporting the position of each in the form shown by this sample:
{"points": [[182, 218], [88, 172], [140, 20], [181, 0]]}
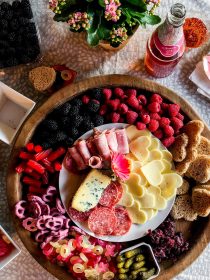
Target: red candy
{"points": [[36, 166], [30, 147], [42, 155], [56, 154]]}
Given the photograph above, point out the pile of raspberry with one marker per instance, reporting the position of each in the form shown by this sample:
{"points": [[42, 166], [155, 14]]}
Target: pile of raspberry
{"points": [[130, 106]]}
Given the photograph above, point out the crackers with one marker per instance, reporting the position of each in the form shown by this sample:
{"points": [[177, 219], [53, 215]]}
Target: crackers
{"points": [[178, 148], [183, 208], [42, 78], [201, 200], [204, 146], [199, 169], [184, 188]]}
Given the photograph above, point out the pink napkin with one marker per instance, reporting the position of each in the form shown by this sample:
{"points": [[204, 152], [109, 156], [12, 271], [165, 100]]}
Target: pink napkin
{"points": [[201, 76]]}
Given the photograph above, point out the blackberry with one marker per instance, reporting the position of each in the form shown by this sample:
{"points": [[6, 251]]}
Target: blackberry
{"points": [[23, 21], [64, 110], [74, 133], [98, 120], [3, 24], [76, 102], [65, 122], [4, 44], [16, 5], [87, 125], [25, 4], [25, 59], [74, 111], [12, 37], [97, 94], [5, 6], [60, 136], [18, 40], [12, 61], [69, 141], [27, 12], [8, 15], [46, 145], [50, 125], [92, 106], [76, 120], [31, 27], [1, 12], [11, 51], [86, 116], [14, 24]]}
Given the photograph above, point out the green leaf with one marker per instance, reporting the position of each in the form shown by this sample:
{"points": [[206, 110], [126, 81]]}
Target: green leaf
{"points": [[92, 33], [102, 3], [62, 18], [151, 19], [137, 3]]}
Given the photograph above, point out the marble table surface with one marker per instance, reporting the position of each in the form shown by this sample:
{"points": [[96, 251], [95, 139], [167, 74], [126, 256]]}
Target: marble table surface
{"points": [[60, 46]]}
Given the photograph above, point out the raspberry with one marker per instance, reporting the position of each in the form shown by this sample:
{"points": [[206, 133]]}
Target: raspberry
{"points": [[107, 93], [103, 110], [164, 121], [131, 92], [173, 109], [133, 102], [155, 116], [176, 123], [119, 92], [85, 99], [153, 125], [158, 133], [161, 111], [168, 141], [168, 130], [123, 108], [142, 99], [114, 104], [156, 98], [131, 117], [115, 117], [140, 107], [140, 125], [144, 112], [154, 107], [164, 106], [180, 116], [145, 119], [121, 120]]}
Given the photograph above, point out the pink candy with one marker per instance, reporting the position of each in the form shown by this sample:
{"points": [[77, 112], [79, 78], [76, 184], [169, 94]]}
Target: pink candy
{"points": [[30, 224], [20, 209]]}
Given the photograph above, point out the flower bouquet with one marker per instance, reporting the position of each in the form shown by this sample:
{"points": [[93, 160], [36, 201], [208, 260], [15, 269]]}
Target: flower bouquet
{"points": [[110, 21]]}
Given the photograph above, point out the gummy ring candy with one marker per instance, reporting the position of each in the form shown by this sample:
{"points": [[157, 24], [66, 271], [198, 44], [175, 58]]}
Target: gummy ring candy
{"points": [[20, 209], [64, 251], [59, 206], [108, 275], [40, 236], [78, 268], [29, 224], [83, 257], [35, 209], [75, 260], [54, 223], [98, 250]]}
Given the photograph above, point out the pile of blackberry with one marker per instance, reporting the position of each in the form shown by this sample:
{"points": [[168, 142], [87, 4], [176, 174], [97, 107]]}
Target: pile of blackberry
{"points": [[18, 36], [68, 122]]}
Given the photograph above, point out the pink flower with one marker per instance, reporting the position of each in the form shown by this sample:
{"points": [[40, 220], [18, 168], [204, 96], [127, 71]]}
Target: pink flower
{"points": [[53, 3], [110, 250], [111, 11], [103, 267], [120, 166]]}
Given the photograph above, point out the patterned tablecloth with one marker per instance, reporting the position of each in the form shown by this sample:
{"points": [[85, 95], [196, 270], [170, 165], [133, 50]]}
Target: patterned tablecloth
{"points": [[60, 46]]}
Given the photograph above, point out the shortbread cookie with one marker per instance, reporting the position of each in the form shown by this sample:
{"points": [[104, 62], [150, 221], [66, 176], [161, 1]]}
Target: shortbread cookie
{"points": [[184, 188], [199, 169], [183, 208], [201, 200], [204, 146], [178, 148]]}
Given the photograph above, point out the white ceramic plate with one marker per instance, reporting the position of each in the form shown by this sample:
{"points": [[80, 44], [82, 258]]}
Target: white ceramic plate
{"points": [[67, 179]]}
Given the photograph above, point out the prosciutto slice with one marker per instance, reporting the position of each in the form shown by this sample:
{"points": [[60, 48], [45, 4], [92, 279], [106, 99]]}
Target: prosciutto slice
{"points": [[77, 158], [122, 140], [91, 146], [102, 146], [83, 150], [112, 140], [95, 162]]}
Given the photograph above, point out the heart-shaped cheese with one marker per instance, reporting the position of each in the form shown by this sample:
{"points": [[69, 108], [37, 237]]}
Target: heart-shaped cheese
{"points": [[152, 172], [160, 202], [167, 155], [136, 168], [134, 185], [155, 155], [147, 200], [137, 215], [169, 184], [155, 144], [127, 199], [139, 147], [167, 166], [150, 212], [133, 133]]}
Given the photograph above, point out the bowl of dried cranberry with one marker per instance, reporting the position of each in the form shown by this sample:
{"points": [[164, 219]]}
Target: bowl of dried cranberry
{"points": [[78, 108]]}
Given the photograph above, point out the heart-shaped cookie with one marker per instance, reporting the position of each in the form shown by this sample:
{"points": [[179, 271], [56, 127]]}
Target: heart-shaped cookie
{"points": [[139, 147], [152, 172]]}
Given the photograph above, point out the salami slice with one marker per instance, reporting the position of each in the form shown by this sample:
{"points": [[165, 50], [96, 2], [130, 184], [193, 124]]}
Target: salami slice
{"points": [[124, 222], [102, 221], [110, 196], [79, 216], [119, 190]]}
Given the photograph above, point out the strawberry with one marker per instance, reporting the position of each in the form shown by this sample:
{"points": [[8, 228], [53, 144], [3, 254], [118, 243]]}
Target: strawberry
{"points": [[131, 117]]}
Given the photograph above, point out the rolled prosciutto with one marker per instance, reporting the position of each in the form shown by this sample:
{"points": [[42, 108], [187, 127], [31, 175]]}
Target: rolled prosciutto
{"points": [[95, 162], [122, 140], [101, 144], [112, 140], [82, 148], [91, 146], [77, 158]]}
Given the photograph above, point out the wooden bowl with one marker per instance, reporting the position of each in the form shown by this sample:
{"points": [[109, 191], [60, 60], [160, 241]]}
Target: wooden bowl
{"points": [[196, 231]]}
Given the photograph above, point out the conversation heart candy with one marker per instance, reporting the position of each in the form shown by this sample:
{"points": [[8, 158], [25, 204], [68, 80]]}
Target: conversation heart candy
{"points": [[152, 172]]}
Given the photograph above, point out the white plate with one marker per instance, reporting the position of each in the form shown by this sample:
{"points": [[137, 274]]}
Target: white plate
{"points": [[67, 179]]}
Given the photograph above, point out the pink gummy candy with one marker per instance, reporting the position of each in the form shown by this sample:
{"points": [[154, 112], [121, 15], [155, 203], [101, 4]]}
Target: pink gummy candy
{"points": [[30, 224], [20, 209]]}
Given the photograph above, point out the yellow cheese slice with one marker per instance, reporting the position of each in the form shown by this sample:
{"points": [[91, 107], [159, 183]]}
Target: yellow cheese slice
{"points": [[127, 199], [146, 201], [167, 155], [134, 185], [133, 133], [149, 211], [136, 168], [169, 185], [167, 166], [154, 213], [155, 155], [155, 144], [152, 172], [90, 191], [137, 215], [160, 202], [139, 147]]}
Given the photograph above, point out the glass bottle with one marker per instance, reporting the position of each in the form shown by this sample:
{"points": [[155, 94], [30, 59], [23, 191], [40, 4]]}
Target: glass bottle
{"points": [[166, 46]]}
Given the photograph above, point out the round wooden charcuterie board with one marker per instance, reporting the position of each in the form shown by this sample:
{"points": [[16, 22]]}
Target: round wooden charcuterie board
{"points": [[197, 231]]}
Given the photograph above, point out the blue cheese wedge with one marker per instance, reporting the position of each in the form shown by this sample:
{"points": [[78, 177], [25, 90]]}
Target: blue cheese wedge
{"points": [[90, 191]]}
